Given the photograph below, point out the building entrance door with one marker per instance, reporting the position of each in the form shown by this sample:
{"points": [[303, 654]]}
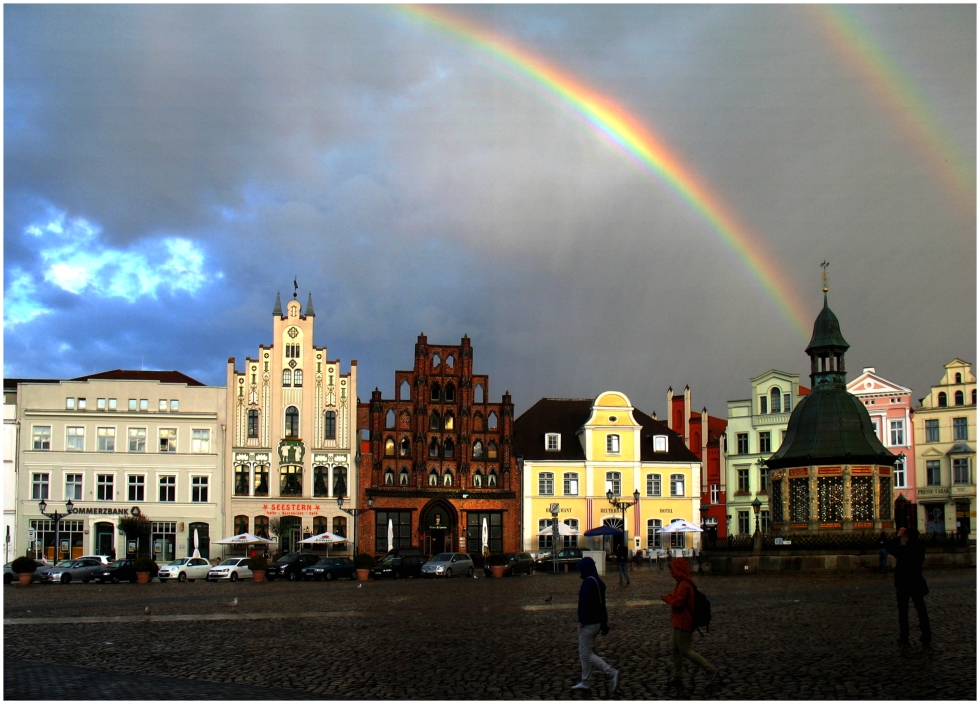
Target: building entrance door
{"points": [[963, 518], [935, 518], [437, 531], [104, 534]]}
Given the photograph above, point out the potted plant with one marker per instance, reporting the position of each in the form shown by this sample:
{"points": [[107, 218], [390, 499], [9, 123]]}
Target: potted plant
{"points": [[259, 566], [25, 568], [145, 569], [362, 565], [497, 562]]}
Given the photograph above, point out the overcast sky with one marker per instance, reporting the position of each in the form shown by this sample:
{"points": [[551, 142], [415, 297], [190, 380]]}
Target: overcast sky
{"points": [[168, 169]]}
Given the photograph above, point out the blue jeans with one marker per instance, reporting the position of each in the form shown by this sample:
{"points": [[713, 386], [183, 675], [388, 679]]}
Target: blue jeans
{"points": [[883, 561], [623, 574]]}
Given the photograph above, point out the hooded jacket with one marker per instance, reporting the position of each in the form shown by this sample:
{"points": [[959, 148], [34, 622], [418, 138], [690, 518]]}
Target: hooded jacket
{"points": [[681, 600], [592, 595]]}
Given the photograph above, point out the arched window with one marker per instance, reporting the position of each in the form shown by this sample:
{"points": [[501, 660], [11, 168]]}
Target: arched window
{"points": [[492, 421], [435, 422], [389, 448], [390, 419], [292, 422], [389, 477], [433, 478], [450, 362], [478, 479], [321, 481], [298, 377], [491, 450], [287, 377], [448, 421], [330, 425], [320, 525], [959, 378], [775, 396], [477, 422], [478, 394], [253, 423], [403, 477], [492, 478], [958, 398], [478, 450], [405, 449], [435, 391], [436, 360], [262, 526], [340, 481], [405, 391], [942, 399], [450, 391], [434, 448], [241, 524], [448, 449], [447, 478]]}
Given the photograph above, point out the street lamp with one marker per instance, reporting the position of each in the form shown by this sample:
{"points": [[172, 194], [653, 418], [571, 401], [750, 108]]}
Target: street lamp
{"points": [[622, 506], [756, 505], [553, 509], [355, 512], [57, 518]]}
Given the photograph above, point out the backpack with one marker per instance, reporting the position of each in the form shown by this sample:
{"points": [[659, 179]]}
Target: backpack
{"points": [[702, 610]]}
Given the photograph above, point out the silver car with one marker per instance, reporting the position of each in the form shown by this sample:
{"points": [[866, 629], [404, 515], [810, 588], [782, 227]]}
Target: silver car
{"points": [[69, 570], [232, 569], [185, 568], [449, 564]]}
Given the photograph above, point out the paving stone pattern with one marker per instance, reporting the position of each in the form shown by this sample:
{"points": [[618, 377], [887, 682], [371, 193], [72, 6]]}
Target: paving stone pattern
{"points": [[775, 636]]}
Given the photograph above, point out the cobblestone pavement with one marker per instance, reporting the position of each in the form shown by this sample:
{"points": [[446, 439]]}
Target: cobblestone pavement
{"points": [[775, 636]]}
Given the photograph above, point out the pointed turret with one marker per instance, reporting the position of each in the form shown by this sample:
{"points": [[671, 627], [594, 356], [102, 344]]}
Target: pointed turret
{"points": [[278, 309], [309, 306]]}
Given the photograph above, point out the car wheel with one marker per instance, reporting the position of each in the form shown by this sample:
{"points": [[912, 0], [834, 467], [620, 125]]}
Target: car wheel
{"points": [[7, 578], [328, 576], [234, 577], [530, 570], [65, 578], [292, 576], [449, 572], [469, 572], [182, 577]]}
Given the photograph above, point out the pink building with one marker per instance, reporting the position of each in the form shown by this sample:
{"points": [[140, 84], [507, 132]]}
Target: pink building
{"points": [[890, 408]]}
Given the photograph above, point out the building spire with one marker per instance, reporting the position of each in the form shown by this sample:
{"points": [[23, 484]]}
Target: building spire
{"points": [[278, 309], [824, 280], [295, 288], [309, 306]]}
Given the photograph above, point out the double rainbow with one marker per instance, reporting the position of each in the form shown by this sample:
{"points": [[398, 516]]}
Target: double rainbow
{"points": [[636, 141]]}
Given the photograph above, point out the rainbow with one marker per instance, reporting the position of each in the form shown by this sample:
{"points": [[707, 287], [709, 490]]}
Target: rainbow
{"points": [[863, 55], [636, 141]]}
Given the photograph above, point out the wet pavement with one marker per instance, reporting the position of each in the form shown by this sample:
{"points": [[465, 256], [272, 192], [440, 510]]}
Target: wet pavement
{"points": [[782, 636]]}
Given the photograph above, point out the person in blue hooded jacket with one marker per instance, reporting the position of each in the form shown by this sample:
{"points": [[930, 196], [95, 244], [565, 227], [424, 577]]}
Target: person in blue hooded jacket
{"points": [[592, 620]]}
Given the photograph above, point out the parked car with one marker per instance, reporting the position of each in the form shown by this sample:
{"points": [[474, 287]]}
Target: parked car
{"points": [[405, 552], [449, 564], [101, 558], [116, 572], [516, 563], [398, 567], [185, 568], [10, 576], [232, 569], [69, 570], [331, 568], [291, 566], [568, 556]]}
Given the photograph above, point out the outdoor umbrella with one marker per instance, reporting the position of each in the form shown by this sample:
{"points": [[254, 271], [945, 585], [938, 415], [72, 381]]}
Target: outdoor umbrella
{"points": [[485, 538], [680, 526], [244, 539], [391, 535], [563, 529], [602, 530], [196, 552], [324, 538]]}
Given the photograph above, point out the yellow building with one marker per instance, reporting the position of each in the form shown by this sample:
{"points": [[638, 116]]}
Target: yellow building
{"points": [[576, 450]]}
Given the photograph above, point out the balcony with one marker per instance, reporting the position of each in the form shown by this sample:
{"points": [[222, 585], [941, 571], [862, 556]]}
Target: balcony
{"points": [[778, 419]]}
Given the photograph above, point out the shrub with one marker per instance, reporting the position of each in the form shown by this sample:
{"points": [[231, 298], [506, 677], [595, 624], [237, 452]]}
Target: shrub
{"points": [[258, 562], [497, 559], [363, 562], [23, 565], [145, 564]]}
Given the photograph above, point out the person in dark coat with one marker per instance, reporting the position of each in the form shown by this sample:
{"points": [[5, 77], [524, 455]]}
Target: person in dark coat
{"points": [[592, 620], [681, 602], [622, 556], [883, 552], [909, 583]]}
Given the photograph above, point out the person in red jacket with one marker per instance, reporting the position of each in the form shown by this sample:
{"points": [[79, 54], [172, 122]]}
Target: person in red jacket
{"points": [[681, 602]]}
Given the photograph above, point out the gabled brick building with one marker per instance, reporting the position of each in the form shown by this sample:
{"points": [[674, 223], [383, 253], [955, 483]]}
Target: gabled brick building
{"points": [[437, 461]]}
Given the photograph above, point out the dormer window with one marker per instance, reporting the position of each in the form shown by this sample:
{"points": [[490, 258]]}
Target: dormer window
{"points": [[660, 443], [552, 442]]}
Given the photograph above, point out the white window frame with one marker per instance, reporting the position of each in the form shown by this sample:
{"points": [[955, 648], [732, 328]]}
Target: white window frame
{"points": [[715, 493], [614, 481], [100, 404], [40, 486], [161, 485], [144, 404], [896, 432], [113, 404], [170, 450], [612, 444], [552, 442], [655, 486], [162, 405], [130, 437], [69, 434], [101, 436], [74, 486], [174, 405], [660, 443], [899, 473], [132, 404], [569, 483], [677, 482], [70, 403], [101, 484], [546, 483], [41, 435], [201, 445], [131, 485], [200, 485], [655, 540]]}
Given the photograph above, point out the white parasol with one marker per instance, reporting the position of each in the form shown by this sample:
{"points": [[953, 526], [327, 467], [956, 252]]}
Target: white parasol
{"points": [[196, 553], [680, 526], [563, 529], [243, 539], [323, 538], [391, 535], [486, 538]]}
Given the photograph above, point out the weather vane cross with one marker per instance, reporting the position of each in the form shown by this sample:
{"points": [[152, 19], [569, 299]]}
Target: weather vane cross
{"points": [[823, 277], [295, 287]]}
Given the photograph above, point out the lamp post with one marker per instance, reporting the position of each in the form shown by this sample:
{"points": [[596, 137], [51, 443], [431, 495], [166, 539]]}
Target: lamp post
{"points": [[355, 512], [901, 512], [756, 505], [757, 537], [57, 518], [728, 529], [622, 506], [704, 520], [555, 536], [464, 531]]}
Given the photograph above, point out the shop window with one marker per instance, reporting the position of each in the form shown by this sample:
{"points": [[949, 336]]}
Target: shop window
{"points": [[321, 481]]}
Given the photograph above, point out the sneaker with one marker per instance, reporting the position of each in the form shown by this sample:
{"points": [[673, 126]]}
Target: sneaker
{"points": [[580, 686], [615, 681], [675, 682], [711, 676]]}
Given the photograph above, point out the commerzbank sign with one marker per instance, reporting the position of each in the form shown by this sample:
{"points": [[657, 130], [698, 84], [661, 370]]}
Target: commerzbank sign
{"points": [[105, 511]]}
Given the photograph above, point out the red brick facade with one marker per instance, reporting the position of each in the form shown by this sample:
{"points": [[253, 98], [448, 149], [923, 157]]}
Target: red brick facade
{"points": [[437, 460]]}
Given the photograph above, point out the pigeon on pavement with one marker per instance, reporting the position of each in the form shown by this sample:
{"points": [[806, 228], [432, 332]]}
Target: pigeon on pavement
{"points": [[548, 600], [146, 610], [233, 602]]}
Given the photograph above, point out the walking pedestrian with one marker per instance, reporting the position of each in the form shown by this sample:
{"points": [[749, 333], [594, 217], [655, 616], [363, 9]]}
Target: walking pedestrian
{"points": [[592, 620], [112, 554], [621, 558], [883, 552], [681, 602], [909, 555]]}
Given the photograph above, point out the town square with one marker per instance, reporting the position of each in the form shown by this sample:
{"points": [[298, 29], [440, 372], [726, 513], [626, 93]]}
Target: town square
{"points": [[361, 351]]}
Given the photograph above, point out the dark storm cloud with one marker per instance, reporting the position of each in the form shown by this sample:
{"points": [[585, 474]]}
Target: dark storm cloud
{"points": [[412, 184]]}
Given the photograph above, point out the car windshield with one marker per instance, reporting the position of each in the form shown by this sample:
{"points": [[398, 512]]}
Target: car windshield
{"points": [[230, 563], [326, 561], [287, 558], [120, 563], [443, 557], [66, 563], [177, 563]]}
